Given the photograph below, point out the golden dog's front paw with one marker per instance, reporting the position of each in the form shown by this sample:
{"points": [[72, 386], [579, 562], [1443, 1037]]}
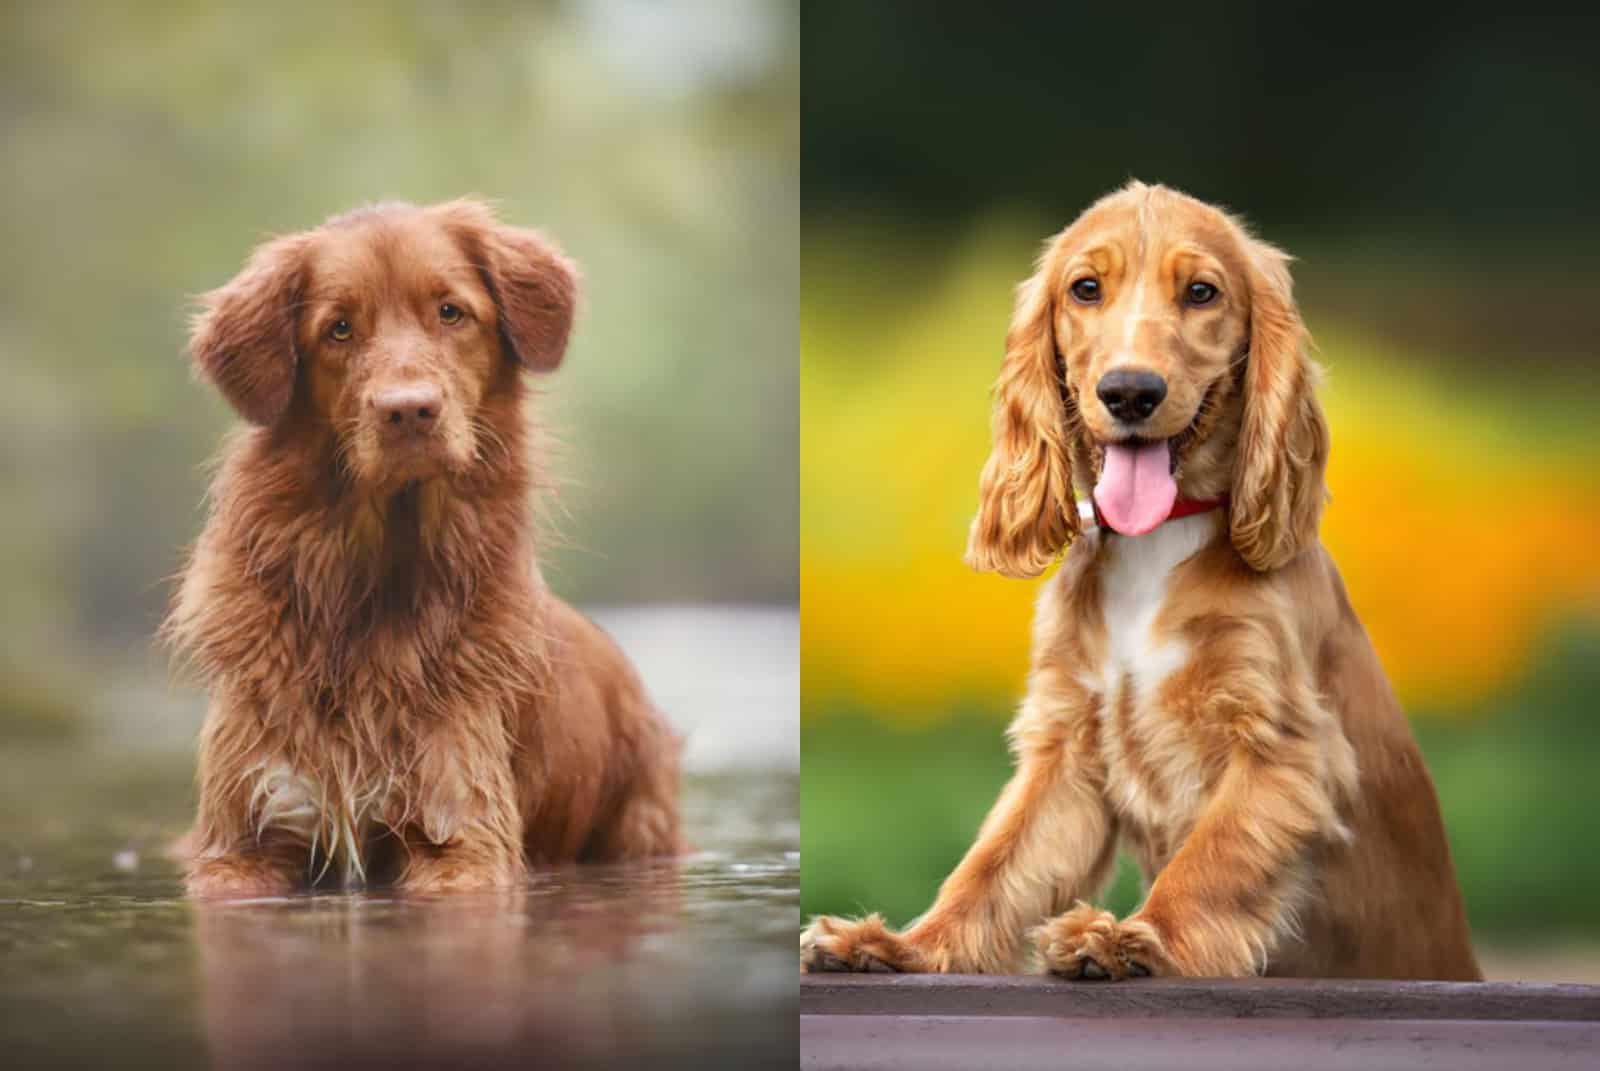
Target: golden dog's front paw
{"points": [[1090, 944], [863, 945]]}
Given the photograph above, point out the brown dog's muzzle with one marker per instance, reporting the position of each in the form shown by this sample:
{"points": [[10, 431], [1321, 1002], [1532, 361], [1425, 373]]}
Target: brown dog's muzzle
{"points": [[407, 410]]}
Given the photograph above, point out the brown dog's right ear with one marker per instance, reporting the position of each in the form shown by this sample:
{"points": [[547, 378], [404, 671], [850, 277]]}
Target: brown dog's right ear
{"points": [[533, 284], [1027, 512], [243, 339]]}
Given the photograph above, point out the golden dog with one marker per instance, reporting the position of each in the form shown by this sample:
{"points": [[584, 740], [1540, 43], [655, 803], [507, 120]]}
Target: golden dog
{"points": [[1201, 689]]}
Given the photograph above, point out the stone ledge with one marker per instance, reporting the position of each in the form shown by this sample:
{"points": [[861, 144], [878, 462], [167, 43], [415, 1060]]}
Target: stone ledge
{"points": [[1187, 998]]}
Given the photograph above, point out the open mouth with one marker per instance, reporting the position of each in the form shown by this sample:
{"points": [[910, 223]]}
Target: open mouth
{"points": [[1136, 488], [1138, 476]]}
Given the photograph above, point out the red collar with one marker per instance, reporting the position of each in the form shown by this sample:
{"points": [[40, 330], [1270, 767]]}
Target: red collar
{"points": [[1183, 507]]}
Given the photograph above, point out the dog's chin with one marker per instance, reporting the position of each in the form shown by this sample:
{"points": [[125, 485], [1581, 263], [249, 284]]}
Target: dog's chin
{"points": [[393, 465]]}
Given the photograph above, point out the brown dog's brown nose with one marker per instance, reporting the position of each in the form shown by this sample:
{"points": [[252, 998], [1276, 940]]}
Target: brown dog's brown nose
{"points": [[409, 407]]}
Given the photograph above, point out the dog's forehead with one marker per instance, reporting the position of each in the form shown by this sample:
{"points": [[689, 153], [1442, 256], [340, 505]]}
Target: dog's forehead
{"points": [[1141, 219], [398, 251]]}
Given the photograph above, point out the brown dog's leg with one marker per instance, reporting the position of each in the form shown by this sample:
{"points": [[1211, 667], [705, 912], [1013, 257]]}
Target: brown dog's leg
{"points": [[251, 836], [471, 860], [275, 866], [1048, 840], [645, 824], [1228, 896], [460, 829]]}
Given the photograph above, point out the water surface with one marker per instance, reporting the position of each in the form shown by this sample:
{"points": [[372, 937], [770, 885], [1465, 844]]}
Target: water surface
{"points": [[102, 962]]}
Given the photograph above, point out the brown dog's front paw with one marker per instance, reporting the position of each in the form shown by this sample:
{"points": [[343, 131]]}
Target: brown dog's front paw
{"points": [[1089, 944], [238, 878], [446, 875], [859, 945]]}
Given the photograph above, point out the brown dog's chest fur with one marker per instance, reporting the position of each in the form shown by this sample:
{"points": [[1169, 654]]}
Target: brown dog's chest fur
{"points": [[382, 667]]}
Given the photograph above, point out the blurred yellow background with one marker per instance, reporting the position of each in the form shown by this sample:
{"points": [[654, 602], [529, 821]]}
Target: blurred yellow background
{"points": [[1464, 512]]}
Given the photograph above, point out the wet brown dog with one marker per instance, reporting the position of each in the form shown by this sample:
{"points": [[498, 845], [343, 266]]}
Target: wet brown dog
{"points": [[1201, 690], [395, 696]]}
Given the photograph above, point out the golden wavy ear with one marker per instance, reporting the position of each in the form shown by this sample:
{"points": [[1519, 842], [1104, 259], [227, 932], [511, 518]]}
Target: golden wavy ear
{"points": [[1278, 480], [1026, 510]]}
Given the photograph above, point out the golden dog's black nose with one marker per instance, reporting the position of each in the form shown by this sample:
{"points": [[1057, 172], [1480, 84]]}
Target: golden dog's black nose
{"points": [[1131, 395]]}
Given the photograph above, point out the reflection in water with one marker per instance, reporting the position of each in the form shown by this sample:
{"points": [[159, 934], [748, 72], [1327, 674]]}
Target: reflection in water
{"points": [[103, 963], [665, 963], [576, 968]]}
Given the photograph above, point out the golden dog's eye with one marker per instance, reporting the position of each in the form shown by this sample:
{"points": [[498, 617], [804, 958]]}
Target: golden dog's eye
{"points": [[340, 331], [1086, 291], [1200, 294], [450, 314]]}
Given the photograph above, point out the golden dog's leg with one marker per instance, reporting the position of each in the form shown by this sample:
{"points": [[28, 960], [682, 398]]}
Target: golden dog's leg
{"points": [[1222, 904], [1047, 840]]}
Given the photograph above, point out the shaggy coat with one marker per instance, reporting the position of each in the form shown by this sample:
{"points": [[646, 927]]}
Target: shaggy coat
{"points": [[395, 695], [1201, 690]]}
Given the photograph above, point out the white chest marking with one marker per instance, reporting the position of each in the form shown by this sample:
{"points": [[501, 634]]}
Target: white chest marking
{"points": [[1133, 588], [334, 825]]}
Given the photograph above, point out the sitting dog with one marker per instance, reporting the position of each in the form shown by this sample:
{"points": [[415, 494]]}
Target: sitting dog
{"points": [[1201, 689], [395, 696]]}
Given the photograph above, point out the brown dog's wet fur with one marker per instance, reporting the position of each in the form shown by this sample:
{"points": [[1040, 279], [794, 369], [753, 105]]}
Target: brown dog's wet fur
{"points": [[1241, 739], [395, 695]]}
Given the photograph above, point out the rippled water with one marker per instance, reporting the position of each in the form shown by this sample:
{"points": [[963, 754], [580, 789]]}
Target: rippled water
{"points": [[102, 962]]}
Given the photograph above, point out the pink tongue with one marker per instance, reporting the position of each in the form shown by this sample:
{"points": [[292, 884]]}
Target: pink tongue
{"points": [[1136, 489]]}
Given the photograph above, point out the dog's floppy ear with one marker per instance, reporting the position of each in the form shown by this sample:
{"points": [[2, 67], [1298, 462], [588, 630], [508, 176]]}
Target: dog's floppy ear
{"points": [[1026, 508], [534, 286], [243, 338], [1278, 482]]}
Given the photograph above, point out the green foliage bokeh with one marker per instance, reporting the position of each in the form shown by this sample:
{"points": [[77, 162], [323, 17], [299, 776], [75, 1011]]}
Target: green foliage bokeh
{"points": [[149, 147]]}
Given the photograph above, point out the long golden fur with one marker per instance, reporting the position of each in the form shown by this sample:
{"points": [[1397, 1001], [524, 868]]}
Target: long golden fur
{"points": [[395, 696], [1203, 693]]}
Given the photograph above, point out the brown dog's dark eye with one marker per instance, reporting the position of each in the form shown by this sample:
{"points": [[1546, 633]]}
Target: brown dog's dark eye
{"points": [[340, 331], [1200, 294], [449, 314], [1086, 291]]}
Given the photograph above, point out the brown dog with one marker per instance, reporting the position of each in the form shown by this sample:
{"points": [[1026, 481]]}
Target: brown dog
{"points": [[1201, 689], [395, 696]]}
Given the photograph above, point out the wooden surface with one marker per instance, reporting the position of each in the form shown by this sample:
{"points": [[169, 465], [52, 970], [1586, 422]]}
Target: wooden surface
{"points": [[977, 1021]]}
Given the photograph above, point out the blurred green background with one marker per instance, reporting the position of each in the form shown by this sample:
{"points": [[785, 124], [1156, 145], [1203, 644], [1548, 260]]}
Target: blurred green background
{"points": [[1433, 178], [149, 147]]}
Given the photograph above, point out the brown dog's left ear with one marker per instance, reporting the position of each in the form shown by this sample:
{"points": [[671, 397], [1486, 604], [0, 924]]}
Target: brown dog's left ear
{"points": [[534, 286], [242, 340], [1278, 484]]}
